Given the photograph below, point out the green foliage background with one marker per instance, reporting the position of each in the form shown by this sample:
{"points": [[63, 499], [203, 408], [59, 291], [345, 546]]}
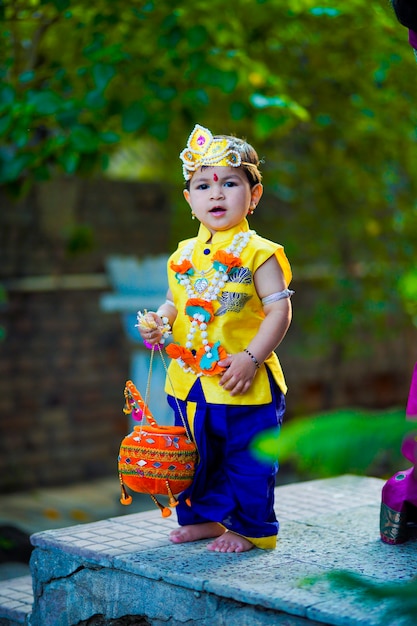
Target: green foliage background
{"points": [[326, 91], [353, 441], [402, 597]]}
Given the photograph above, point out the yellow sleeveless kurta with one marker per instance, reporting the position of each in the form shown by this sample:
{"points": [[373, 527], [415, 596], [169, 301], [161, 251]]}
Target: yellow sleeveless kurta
{"points": [[238, 314]]}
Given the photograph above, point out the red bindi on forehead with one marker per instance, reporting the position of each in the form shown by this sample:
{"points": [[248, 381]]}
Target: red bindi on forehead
{"points": [[215, 177]]}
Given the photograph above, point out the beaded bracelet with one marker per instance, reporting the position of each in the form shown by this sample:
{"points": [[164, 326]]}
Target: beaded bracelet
{"points": [[254, 359]]}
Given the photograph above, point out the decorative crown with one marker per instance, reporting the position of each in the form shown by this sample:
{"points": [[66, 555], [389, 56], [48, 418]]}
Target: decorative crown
{"points": [[204, 149]]}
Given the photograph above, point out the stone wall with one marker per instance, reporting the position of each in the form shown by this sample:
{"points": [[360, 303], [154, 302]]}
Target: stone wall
{"points": [[64, 361]]}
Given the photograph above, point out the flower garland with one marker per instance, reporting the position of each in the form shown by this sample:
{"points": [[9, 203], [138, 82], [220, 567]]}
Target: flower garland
{"points": [[202, 292]]}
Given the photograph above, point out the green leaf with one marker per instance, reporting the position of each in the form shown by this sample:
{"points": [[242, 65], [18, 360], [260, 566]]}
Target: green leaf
{"points": [[164, 93], [109, 137], [265, 124], [133, 118], [20, 137], [102, 75], [259, 101], [407, 285], [12, 166], [323, 119], [319, 11], [95, 45], [52, 145], [84, 139], [44, 102], [69, 161], [95, 100], [141, 13], [68, 118], [159, 130], [343, 441], [238, 110], [196, 96], [265, 446], [299, 111], [7, 96], [399, 598], [26, 77], [197, 36], [226, 80], [61, 5], [5, 122]]}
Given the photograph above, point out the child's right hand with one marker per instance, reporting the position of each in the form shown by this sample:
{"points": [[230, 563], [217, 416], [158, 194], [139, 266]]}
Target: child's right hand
{"points": [[150, 327]]}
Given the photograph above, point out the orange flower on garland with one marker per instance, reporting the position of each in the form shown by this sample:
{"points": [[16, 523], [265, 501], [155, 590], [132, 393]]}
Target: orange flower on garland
{"points": [[185, 267], [175, 351], [209, 364], [225, 261], [201, 307]]}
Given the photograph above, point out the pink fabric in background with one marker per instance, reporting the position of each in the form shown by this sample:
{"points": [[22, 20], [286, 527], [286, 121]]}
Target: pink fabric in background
{"points": [[411, 411]]}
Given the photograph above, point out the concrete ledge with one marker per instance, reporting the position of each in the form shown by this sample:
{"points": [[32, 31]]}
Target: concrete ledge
{"points": [[126, 566], [16, 599]]}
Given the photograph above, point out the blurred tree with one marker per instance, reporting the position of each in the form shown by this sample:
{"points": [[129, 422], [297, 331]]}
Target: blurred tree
{"points": [[78, 77]]}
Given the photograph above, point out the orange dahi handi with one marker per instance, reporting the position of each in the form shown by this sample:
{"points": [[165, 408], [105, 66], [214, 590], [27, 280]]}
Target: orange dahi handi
{"points": [[154, 459]]}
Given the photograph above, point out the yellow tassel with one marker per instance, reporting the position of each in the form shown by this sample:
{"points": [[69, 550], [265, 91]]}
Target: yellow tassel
{"points": [[127, 409], [172, 499], [165, 511], [125, 498]]}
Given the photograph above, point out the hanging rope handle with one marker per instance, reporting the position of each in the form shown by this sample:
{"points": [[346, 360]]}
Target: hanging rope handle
{"points": [[184, 423], [136, 404], [131, 390]]}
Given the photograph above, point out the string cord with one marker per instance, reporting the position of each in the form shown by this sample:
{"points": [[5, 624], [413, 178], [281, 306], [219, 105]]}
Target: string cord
{"points": [[148, 388]]}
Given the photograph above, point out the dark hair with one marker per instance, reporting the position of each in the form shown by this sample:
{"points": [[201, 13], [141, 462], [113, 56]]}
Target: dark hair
{"points": [[250, 160]]}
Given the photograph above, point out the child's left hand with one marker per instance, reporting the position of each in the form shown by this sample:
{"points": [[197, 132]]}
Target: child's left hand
{"points": [[239, 375]]}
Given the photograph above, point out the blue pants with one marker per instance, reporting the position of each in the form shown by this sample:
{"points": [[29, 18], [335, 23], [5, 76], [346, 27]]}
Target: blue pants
{"points": [[230, 486]]}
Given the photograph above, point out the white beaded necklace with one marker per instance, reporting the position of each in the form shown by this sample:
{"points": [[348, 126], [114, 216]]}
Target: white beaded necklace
{"points": [[212, 287], [208, 290]]}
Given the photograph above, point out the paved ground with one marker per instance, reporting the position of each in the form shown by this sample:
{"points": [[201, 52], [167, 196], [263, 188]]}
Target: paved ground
{"points": [[325, 526], [57, 507]]}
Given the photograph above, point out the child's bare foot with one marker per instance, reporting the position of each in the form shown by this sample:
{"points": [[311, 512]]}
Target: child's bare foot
{"points": [[195, 532], [230, 542]]}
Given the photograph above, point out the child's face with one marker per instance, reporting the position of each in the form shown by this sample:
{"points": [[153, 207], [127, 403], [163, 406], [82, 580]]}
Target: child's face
{"points": [[220, 197]]}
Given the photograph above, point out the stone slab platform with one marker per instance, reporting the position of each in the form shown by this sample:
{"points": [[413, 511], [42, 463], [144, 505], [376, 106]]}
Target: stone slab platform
{"points": [[125, 566]]}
